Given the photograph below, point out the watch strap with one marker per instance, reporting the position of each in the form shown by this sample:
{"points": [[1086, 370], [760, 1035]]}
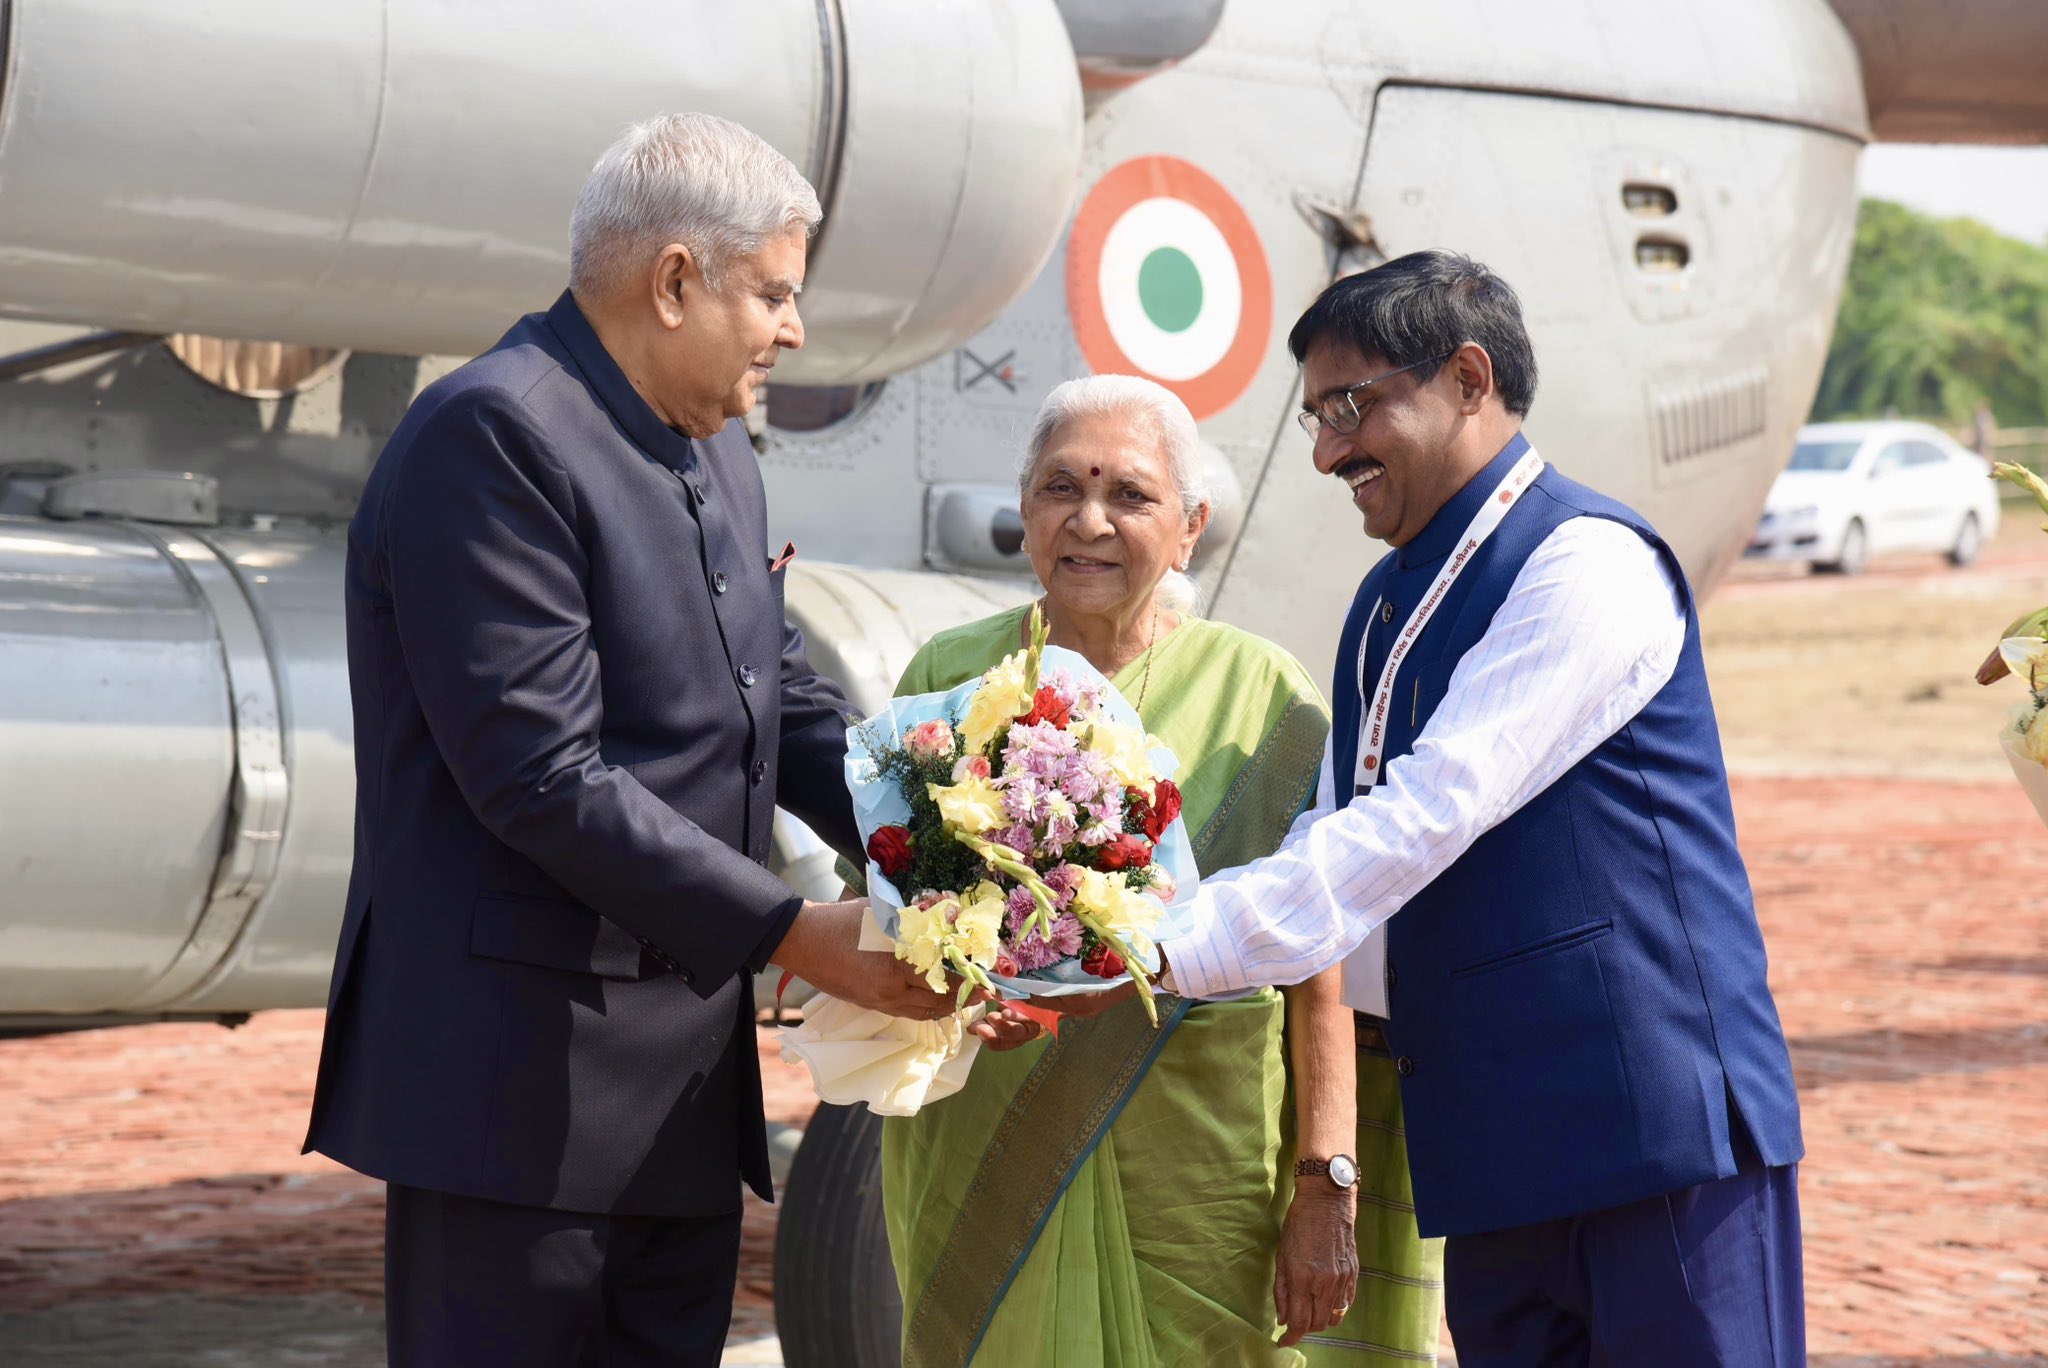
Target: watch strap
{"points": [[1308, 1168]]}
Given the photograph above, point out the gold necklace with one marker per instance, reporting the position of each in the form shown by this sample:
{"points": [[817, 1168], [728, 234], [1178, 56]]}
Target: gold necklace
{"points": [[1145, 680]]}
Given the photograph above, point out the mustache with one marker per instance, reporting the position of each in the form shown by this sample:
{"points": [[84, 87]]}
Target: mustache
{"points": [[1357, 465]]}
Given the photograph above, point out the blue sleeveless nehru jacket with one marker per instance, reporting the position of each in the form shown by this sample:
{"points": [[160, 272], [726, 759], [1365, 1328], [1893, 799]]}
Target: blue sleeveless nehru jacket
{"points": [[1578, 1004]]}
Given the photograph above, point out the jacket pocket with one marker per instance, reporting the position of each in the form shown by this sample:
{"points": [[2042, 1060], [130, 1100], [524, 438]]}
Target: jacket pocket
{"points": [[550, 933], [1550, 945]]}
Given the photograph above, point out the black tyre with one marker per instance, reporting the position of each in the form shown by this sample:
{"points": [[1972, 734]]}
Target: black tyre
{"points": [[1969, 543], [1854, 552], [836, 1303]]}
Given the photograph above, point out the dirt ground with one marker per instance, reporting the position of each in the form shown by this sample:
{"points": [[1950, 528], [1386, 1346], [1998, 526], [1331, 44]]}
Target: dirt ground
{"points": [[155, 1211], [1871, 675]]}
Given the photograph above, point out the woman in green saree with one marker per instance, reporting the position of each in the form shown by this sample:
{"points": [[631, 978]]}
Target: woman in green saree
{"points": [[1120, 1195]]}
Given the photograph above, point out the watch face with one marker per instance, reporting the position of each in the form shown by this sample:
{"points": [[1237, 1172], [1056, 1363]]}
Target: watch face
{"points": [[1343, 1170]]}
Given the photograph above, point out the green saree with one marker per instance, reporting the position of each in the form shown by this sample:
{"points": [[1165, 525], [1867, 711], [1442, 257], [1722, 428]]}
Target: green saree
{"points": [[1115, 1196]]}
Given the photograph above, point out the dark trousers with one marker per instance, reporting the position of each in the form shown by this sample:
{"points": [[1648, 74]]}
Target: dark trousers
{"points": [[1707, 1276], [476, 1284]]}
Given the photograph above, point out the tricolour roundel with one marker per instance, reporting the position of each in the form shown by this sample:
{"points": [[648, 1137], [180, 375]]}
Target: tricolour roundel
{"points": [[1166, 279]]}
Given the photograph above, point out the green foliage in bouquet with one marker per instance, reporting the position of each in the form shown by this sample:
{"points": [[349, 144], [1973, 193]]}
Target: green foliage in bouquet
{"points": [[936, 860]]}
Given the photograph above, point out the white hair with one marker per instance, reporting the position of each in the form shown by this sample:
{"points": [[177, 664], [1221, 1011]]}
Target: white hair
{"points": [[1161, 414], [696, 179]]}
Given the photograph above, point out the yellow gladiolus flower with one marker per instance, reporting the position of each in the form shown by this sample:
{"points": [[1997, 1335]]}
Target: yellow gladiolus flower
{"points": [[1119, 907], [1126, 749], [972, 805], [1000, 700], [950, 934], [979, 921], [921, 937]]}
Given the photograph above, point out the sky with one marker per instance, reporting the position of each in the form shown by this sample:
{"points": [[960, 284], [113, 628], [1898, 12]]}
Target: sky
{"points": [[2006, 187]]}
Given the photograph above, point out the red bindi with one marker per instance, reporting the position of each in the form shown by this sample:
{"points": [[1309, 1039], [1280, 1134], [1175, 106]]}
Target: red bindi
{"points": [[1094, 470]]}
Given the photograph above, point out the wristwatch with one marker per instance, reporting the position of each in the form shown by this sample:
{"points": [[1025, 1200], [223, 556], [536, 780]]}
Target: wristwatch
{"points": [[1342, 1168]]}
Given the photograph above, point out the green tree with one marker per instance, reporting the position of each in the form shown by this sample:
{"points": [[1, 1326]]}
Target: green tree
{"points": [[1937, 315]]}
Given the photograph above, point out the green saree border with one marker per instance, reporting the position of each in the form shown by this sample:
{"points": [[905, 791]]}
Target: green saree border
{"points": [[1079, 1086], [1271, 789], [1037, 1151]]}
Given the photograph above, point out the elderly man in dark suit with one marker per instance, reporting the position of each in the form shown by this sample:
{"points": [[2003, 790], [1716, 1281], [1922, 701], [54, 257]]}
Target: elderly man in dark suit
{"points": [[577, 703]]}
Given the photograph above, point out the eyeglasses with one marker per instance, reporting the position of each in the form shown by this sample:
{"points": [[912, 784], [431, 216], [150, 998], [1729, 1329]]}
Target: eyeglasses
{"points": [[1340, 410]]}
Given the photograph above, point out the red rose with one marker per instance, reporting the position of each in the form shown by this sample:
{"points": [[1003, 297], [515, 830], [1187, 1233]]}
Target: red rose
{"points": [[1006, 966], [1102, 961], [1047, 706], [1164, 807], [1125, 852], [1139, 811], [890, 849]]}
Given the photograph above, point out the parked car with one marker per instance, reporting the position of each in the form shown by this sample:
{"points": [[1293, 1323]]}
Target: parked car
{"points": [[1855, 490]]}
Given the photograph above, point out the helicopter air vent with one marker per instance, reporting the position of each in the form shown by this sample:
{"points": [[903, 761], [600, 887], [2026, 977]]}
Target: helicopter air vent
{"points": [[1646, 200], [1662, 256], [255, 370], [1693, 420]]}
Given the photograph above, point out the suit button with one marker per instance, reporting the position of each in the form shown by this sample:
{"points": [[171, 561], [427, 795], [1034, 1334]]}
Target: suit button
{"points": [[1404, 1066], [1392, 977], [1386, 611], [697, 488], [686, 976], [718, 582], [760, 770], [747, 676]]}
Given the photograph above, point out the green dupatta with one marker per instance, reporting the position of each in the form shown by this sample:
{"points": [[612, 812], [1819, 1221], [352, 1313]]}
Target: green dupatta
{"points": [[1056, 1211]]}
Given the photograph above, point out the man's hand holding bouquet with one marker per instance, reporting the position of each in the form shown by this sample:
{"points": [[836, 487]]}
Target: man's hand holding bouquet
{"points": [[1023, 837]]}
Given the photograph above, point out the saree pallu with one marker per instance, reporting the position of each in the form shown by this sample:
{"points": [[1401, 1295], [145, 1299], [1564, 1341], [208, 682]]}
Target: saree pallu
{"points": [[1115, 1196]]}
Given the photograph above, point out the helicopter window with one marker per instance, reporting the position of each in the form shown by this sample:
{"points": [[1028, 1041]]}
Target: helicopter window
{"points": [[813, 408]]}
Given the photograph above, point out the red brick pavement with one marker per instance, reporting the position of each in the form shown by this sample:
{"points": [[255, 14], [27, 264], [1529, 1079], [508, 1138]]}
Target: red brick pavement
{"points": [[1908, 927]]}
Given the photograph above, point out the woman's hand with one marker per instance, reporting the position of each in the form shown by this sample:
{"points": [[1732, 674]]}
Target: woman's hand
{"points": [[1317, 1273], [1005, 1028]]}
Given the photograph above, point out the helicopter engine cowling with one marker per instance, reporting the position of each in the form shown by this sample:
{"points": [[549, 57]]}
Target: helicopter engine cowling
{"points": [[398, 178]]}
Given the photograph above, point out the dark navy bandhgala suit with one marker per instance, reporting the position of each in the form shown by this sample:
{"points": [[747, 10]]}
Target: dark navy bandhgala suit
{"points": [[1577, 1004], [577, 702]]}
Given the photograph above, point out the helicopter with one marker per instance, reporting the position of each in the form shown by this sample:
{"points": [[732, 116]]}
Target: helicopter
{"points": [[232, 249]]}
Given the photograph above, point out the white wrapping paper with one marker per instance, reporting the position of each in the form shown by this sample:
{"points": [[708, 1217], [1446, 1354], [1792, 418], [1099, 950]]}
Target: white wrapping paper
{"points": [[891, 1064], [2033, 777]]}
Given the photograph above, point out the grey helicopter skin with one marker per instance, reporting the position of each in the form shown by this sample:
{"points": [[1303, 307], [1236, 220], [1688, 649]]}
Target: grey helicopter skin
{"points": [[1017, 191]]}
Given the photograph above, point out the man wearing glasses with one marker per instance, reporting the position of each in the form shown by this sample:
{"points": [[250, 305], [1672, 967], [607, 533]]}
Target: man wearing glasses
{"points": [[1524, 765]]}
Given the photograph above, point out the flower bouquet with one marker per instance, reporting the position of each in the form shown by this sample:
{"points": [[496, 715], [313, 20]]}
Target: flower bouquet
{"points": [[2023, 650], [1024, 836]]}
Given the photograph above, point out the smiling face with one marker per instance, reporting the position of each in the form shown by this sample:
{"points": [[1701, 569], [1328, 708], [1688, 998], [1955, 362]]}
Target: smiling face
{"points": [[1102, 519], [1399, 462], [721, 343]]}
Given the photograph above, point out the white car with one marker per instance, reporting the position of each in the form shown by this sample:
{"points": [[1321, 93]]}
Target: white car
{"points": [[1855, 490]]}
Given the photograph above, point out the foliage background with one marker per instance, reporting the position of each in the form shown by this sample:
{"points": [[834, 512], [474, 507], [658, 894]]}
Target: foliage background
{"points": [[1938, 315]]}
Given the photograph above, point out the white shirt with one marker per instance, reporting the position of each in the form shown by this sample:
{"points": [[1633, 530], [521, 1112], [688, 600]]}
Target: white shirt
{"points": [[1588, 634]]}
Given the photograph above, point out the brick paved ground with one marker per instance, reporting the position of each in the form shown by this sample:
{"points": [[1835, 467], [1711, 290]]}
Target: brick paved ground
{"points": [[154, 1209]]}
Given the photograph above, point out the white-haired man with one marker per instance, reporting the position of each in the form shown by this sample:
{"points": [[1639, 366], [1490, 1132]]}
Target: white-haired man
{"points": [[577, 702]]}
